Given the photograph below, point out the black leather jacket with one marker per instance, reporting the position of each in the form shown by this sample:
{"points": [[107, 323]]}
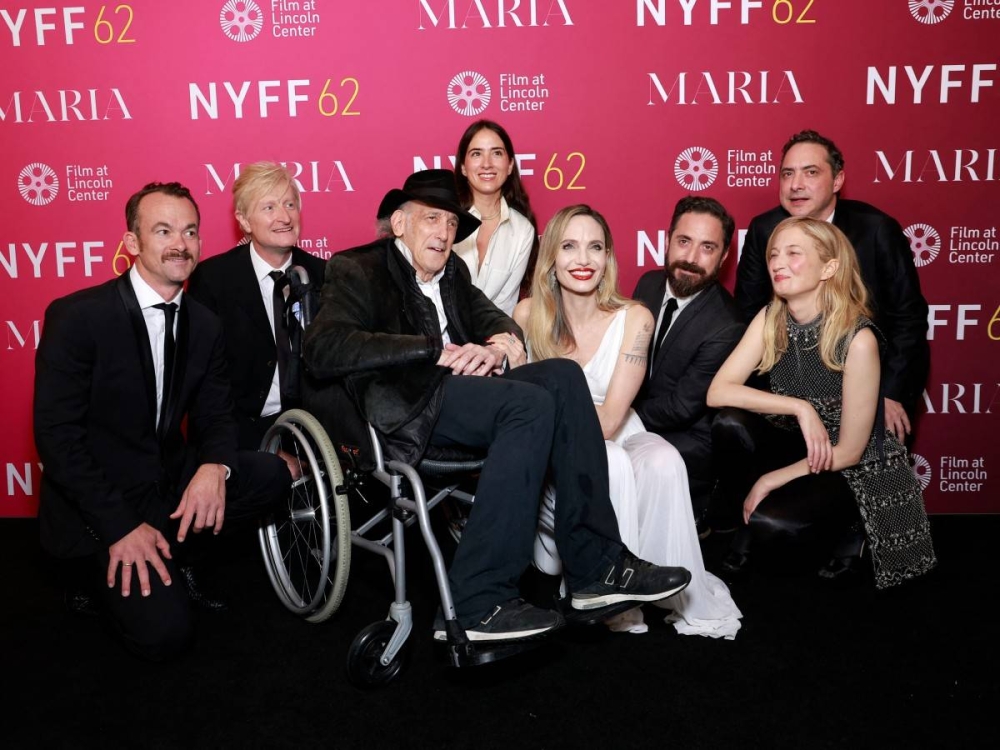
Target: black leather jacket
{"points": [[379, 336]]}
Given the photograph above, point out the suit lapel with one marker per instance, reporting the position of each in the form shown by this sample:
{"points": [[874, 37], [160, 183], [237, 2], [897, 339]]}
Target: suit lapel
{"points": [[681, 322], [247, 293], [131, 303]]}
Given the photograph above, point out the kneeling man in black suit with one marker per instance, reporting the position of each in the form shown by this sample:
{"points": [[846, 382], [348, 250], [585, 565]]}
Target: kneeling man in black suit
{"points": [[120, 366]]}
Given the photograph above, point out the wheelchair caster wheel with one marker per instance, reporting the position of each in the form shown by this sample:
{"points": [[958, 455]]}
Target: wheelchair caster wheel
{"points": [[364, 666]]}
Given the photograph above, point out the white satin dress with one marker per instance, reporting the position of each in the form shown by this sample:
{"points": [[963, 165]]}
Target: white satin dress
{"points": [[649, 491]]}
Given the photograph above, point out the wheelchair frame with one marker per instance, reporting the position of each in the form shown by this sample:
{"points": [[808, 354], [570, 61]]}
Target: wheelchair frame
{"points": [[307, 550]]}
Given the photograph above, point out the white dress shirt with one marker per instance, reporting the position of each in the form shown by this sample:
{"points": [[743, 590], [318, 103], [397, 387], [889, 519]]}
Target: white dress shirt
{"points": [[430, 289], [500, 275]]}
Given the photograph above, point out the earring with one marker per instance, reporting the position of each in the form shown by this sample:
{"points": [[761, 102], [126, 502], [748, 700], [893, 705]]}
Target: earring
{"points": [[553, 282], [600, 284]]}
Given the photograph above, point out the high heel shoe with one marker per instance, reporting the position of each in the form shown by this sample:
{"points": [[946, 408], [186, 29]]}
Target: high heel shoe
{"points": [[843, 567]]}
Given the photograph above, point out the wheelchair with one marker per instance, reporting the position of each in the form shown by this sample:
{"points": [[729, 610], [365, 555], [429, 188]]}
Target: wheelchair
{"points": [[307, 545]]}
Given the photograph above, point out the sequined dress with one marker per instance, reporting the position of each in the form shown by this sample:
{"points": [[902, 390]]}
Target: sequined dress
{"points": [[884, 486]]}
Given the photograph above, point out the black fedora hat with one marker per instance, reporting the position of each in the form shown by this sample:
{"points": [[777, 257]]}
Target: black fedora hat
{"points": [[434, 187]]}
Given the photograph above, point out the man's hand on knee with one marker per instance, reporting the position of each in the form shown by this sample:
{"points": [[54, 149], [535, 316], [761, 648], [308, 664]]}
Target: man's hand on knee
{"points": [[470, 359], [203, 502], [140, 548]]}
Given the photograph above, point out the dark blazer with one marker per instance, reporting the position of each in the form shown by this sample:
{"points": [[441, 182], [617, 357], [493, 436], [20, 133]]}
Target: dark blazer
{"points": [[898, 307], [227, 285], [672, 401], [105, 469], [379, 336]]}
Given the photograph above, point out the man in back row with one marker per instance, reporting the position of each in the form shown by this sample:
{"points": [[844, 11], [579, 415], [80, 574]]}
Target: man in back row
{"points": [[811, 177], [415, 344]]}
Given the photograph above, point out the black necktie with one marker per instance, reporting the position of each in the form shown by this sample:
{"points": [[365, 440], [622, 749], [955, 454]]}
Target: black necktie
{"points": [[169, 310], [280, 324], [668, 315]]}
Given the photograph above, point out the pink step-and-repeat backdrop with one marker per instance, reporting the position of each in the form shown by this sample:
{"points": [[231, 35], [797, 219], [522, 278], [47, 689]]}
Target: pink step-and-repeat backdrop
{"points": [[626, 105]]}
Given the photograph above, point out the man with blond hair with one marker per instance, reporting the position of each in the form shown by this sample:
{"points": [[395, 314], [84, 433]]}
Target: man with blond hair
{"points": [[247, 286]]}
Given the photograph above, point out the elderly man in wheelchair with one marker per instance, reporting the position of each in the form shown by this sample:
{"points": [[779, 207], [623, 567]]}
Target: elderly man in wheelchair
{"points": [[423, 356]]}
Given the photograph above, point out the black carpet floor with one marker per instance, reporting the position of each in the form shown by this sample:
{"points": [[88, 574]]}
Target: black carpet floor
{"points": [[815, 666]]}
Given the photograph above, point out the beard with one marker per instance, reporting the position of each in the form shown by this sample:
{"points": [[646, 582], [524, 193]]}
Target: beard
{"points": [[685, 286]]}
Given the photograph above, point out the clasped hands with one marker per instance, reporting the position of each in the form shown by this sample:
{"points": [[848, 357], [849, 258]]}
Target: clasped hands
{"points": [[483, 360], [203, 505]]}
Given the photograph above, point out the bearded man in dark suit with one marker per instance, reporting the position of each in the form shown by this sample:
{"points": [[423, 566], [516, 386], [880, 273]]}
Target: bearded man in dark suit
{"points": [[246, 287], [120, 366], [697, 326], [811, 177]]}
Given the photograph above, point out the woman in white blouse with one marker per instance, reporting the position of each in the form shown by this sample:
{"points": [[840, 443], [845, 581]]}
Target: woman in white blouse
{"points": [[501, 253]]}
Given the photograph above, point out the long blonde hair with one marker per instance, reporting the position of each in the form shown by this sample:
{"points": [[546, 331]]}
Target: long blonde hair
{"points": [[843, 298], [547, 330]]}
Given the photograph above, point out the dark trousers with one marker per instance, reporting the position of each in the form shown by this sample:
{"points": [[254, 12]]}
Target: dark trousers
{"points": [[697, 455], [536, 417], [747, 446], [160, 626], [252, 430]]}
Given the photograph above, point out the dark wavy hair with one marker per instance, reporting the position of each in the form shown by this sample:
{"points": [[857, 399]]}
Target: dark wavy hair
{"points": [[833, 156], [696, 204], [513, 191]]}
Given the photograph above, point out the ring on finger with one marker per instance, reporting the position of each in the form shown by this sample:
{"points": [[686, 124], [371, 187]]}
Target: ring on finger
{"points": [[126, 565]]}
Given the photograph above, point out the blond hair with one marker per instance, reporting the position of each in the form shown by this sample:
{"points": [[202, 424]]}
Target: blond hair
{"points": [[843, 298], [547, 331], [260, 178]]}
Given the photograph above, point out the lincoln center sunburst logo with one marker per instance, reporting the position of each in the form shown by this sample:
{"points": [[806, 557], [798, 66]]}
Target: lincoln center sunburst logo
{"points": [[241, 20], [469, 93], [931, 11], [696, 168], [921, 470], [38, 183], [925, 243]]}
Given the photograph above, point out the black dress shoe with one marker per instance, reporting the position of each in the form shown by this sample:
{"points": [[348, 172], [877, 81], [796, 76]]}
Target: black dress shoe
{"points": [[80, 603], [734, 563], [701, 525], [198, 595], [841, 568]]}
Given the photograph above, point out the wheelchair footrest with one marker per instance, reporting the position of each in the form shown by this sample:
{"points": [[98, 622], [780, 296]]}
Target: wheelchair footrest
{"points": [[471, 654]]}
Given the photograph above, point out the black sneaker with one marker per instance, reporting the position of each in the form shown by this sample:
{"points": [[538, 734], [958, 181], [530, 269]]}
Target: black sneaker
{"points": [[512, 620], [631, 580]]}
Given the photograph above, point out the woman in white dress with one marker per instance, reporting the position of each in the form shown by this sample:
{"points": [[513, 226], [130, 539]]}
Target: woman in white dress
{"points": [[577, 312], [500, 254]]}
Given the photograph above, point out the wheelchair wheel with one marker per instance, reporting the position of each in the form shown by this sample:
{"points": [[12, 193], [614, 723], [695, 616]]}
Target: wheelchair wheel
{"points": [[307, 544], [364, 666]]}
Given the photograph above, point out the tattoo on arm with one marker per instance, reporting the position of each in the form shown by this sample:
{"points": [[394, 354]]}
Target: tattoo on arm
{"points": [[640, 347]]}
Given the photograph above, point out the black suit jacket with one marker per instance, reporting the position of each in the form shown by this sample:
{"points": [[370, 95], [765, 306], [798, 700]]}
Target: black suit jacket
{"points": [[898, 307], [672, 401], [378, 336], [105, 469], [227, 285]]}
